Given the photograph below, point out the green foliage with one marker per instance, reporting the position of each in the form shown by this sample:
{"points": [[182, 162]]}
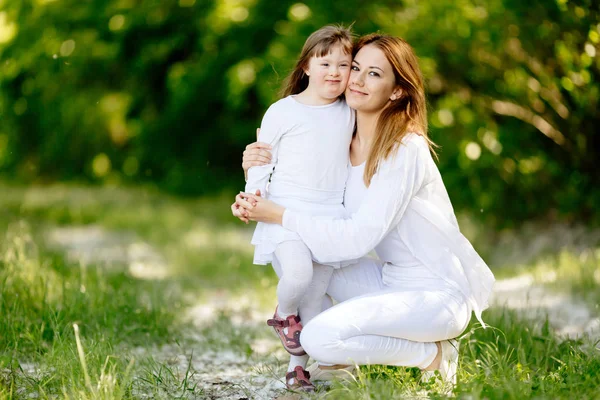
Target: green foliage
{"points": [[514, 90], [172, 91]]}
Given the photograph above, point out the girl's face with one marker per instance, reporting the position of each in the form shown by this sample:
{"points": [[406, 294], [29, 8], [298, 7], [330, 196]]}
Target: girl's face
{"points": [[372, 83], [328, 75]]}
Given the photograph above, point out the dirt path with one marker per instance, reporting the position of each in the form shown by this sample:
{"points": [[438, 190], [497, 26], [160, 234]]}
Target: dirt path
{"points": [[221, 374], [224, 374], [569, 317]]}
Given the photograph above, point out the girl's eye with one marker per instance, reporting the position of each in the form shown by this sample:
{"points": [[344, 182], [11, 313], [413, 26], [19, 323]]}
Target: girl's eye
{"points": [[325, 65]]}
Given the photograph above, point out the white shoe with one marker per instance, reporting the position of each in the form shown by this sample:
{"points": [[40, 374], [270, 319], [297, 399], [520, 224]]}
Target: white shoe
{"points": [[330, 372], [448, 364]]}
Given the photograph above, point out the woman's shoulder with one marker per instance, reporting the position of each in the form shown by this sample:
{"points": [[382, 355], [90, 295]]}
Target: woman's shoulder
{"points": [[409, 150], [412, 142], [414, 138]]}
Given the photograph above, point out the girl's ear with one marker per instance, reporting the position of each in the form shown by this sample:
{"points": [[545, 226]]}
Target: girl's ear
{"points": [[305, 68]]}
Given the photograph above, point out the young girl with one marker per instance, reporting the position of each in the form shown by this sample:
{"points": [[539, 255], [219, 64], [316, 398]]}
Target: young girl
{"points": [[310, 130]]}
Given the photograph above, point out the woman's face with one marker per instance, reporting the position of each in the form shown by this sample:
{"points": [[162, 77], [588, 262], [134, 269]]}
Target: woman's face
{"points": [[372, 83]]}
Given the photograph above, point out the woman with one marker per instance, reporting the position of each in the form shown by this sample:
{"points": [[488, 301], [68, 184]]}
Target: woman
{"points": [[404, 308]]}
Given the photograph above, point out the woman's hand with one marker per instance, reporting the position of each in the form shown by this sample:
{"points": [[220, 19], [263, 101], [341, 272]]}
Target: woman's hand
{"points": [[250, 207], [256, 154]]}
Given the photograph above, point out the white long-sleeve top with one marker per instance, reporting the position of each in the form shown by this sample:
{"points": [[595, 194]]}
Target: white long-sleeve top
{"points": [[406, 208], [308, 168], [310, 151]]}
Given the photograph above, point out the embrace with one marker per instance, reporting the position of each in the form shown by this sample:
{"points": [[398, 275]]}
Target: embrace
{"points": [[344, 166]]}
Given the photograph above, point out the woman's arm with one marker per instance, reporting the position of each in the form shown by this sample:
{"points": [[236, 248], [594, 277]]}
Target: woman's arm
{"points": [[255, 155], [387, 198]]}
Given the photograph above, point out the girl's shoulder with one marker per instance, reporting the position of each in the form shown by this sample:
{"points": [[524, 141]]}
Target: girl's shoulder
{"points": [[280, 108], [346, 107], [290, 109], [282, 104]]}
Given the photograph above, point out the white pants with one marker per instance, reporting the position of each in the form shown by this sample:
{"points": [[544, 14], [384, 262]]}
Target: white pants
{"points": [[390, 325]]}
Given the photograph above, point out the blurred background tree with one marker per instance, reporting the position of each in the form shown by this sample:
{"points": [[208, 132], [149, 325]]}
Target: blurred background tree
{"points": [[171, 91]]}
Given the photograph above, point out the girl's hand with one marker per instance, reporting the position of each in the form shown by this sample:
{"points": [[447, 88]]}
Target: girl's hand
{"points": [[256, 208], [238, 212], [237, 208]]}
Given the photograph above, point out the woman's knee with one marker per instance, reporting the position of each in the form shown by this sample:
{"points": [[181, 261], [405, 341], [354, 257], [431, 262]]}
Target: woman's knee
{"points": [[459, 315], [458, 325], [316, 340]]}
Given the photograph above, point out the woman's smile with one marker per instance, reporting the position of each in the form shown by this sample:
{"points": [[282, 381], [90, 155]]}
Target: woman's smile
{"points": [[356, 92]]}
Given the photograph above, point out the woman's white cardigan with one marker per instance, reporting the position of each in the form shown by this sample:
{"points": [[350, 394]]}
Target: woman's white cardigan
{"points": [[406, 197]]}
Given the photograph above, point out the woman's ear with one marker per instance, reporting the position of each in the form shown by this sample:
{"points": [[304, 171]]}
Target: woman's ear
{"points": [[396, 94]]}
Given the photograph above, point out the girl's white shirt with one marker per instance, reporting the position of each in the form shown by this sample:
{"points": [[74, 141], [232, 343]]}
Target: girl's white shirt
{"points": [[308, 168], [310, 151], [407, 217]]}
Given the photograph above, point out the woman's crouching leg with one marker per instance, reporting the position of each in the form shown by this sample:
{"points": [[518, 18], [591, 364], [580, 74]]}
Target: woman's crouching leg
{"points": [[322, 343], [389, 327], [325, 345]]}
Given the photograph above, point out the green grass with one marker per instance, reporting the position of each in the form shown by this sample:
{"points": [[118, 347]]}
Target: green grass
{"points": [[199, 237], [510, 360], [42, 297], [44, 294]]}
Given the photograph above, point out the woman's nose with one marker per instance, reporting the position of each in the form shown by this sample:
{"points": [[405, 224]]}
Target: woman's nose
{"points": [[357, 79]]}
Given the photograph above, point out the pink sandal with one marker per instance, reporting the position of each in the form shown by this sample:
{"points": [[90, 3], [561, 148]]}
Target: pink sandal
{"points": [[291, 340], [301, 380]]}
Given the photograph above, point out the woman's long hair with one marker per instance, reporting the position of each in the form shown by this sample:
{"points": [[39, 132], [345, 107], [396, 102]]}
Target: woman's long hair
{"points": [[318, 44], [403, 115]]}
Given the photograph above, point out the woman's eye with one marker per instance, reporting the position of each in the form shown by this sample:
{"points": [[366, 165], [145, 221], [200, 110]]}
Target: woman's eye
{"points": [[373, 73], [354, 68]]}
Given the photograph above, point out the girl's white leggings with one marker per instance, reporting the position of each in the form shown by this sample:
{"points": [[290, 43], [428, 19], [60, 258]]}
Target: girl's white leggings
{"points": [[302, 286], [302, 283], [378, 324]]}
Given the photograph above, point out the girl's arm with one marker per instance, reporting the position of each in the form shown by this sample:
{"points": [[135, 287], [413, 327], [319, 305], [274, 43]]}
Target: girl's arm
{"points": [[255, 154], [270, 133], [387, 198]]}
